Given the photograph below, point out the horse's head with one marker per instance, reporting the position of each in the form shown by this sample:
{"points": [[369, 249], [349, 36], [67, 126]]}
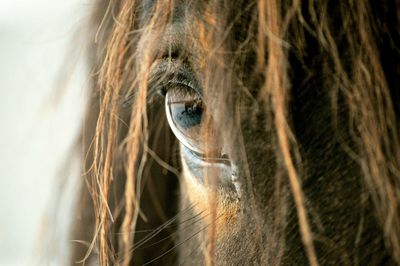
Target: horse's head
{"points": [[286, 121]]}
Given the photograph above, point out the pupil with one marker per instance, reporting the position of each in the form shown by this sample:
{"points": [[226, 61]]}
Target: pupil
{"points": [[193, 108]]}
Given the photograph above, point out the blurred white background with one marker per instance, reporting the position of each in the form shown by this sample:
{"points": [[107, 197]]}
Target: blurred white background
{"points": [[40, 44]]}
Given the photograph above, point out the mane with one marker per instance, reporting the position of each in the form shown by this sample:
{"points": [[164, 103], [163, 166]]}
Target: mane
{"points": [[352, 40]]}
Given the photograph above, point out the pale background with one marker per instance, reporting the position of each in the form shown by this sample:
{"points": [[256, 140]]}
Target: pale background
{"points": [[40, 120]]}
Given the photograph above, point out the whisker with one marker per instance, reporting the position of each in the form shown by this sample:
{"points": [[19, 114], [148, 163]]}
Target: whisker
{"points": [[159, 229], [153, 229], [182, 242], [174, 247], [178, 231], [148, 238]]}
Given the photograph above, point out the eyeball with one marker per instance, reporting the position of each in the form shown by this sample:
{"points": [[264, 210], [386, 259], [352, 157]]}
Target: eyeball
{"points": [[186, 115]]}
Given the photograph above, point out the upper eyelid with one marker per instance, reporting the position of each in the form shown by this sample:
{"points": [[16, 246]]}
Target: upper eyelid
{"points": [[168, 72], [165, 74], [183, 94], [184, 89]]}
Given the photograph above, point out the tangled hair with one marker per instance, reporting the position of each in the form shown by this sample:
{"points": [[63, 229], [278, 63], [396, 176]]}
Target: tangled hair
{"points": [[251, 48]]}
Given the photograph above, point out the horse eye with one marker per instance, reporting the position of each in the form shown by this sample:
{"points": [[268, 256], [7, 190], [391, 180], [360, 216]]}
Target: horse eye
{"points": [[186, 114]]}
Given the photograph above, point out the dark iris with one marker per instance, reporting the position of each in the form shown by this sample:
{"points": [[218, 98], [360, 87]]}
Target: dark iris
{"points": [[187, 114]]}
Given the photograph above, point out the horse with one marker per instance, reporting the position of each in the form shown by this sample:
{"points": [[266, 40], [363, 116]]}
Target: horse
{"points": [[257, 132]]}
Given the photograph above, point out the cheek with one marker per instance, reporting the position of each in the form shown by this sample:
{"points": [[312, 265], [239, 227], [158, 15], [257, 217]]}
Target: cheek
{"points": [[195, 192], [206, 201]]}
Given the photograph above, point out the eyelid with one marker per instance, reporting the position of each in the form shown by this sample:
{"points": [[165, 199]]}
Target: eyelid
{"points": [[183, 92], [186, 84], [167, 73]]}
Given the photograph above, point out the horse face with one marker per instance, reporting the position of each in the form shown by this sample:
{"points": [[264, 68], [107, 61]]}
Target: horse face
{"points": [[234, 175]]}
